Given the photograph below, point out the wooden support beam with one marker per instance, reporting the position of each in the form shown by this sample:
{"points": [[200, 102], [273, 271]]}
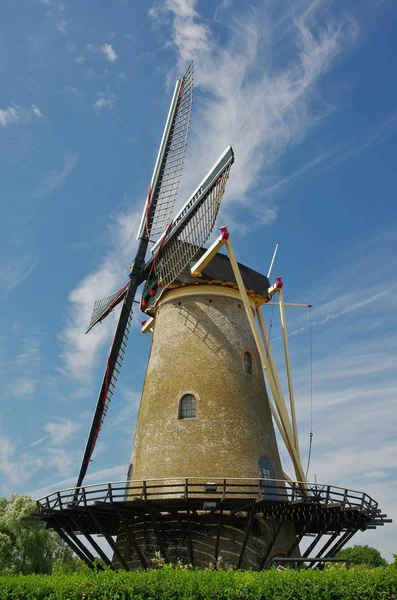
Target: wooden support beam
{"points": [[273, 369], [79, 524], [266, 556], [286, 430], [269, 352], [158, 536], [110, 541], [190, 541], [218, 533], [304, 531], [148, 326], [288, 369], [69, 530], [324, 548], [200, 265], [246, 537], [72, 545], [131, 538], [312, 545], [346, 537]]}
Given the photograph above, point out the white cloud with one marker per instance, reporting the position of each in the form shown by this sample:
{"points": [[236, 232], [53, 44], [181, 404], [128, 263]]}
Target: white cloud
{"points": [[55, 178], [259, 104], [80, 351], [14, 114], [109, 52], [8, 116], [104, 101], [37, 112]]}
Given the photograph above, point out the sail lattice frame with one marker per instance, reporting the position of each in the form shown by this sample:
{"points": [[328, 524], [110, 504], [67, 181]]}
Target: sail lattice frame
{"points": [[167, 172], [110, 380], [103, 307], [197, 225]]}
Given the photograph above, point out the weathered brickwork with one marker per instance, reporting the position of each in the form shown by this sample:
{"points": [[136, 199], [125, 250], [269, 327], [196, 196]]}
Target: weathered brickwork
{"points": [[198, 348]]}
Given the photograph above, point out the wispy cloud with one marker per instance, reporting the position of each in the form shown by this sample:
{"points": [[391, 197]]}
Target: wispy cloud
{"points": [[22, 388], [62, 26], [354, 375], [15, 269], [15, 467], [56, 178], [21, 115], [104, 101], [262, 106], [109, 52], [61, 430], [115, 473]]}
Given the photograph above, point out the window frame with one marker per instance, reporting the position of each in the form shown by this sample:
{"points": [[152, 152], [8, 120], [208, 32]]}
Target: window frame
{"points": [[248, 365], [180, 406]]}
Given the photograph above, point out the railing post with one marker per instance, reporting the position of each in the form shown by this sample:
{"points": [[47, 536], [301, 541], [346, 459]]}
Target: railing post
{"points": [[327, 496], [110, 492], [293, 491], [224, 488], [84, 496], [59, 500], [186, 489], [144, 491]]}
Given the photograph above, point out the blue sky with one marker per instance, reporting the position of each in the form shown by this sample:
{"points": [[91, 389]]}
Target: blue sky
{"points": [[306, 93]]}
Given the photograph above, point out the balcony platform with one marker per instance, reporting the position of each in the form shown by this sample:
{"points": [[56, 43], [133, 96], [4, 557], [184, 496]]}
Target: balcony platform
{"points": [[160, 515]]}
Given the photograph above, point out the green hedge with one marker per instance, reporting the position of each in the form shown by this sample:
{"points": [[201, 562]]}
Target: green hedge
{"points": [[168, 584]]}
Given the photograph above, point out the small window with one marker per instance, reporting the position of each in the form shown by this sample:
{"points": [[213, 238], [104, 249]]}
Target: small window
{"points": [[187, 408], [267, 472], [248, 363]]}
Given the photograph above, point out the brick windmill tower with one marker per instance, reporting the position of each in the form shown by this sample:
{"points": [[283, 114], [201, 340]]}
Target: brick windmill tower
{"points": [[205, 483]]}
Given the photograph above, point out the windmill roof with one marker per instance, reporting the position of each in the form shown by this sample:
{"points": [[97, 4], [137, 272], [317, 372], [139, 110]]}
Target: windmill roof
{"points": [[220, 269]]}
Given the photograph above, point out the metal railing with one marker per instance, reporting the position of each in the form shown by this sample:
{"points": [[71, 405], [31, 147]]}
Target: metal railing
{"points": [[209, 488]]}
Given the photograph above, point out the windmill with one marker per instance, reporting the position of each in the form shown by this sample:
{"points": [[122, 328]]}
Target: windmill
{"points": [[205, 482]]}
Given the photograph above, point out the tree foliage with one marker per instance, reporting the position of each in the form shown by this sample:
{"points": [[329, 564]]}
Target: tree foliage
{"points": [[24, 549], [363, 555]]}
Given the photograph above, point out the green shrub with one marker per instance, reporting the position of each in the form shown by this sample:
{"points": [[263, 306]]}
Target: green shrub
{"points": [[170, 584]]}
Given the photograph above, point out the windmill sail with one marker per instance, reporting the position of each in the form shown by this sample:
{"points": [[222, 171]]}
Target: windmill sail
{"points": [[166, 176], [159, 204], [167, 172], [103, 307], [193, 224]]}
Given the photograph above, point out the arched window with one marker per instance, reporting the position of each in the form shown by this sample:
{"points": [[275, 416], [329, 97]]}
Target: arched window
{"points": [[248, 363], [187, 408], [267, 472]]}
